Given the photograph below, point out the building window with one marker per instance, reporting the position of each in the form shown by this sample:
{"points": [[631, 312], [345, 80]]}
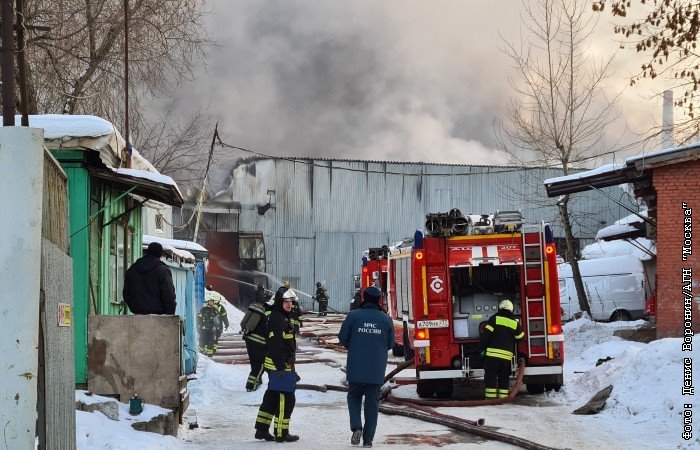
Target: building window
{"points": [[120, 258], [160, 223]]}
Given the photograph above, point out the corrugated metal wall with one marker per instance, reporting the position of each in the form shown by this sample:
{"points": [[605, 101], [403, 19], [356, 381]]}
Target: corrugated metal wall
{"points": [[326, 212]]}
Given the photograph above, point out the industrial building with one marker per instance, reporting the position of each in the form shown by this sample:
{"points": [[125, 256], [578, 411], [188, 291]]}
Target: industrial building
{"points": [[309, 220]]}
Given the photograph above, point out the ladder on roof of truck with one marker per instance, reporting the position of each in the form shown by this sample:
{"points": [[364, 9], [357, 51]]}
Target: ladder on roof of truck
{"points": [[533, 258]]}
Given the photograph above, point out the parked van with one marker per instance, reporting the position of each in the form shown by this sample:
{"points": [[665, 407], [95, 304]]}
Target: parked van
{"points": [[615, 287]]}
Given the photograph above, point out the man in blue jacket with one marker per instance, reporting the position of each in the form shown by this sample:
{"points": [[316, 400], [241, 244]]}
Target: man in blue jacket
{"points": [[368, 334]]}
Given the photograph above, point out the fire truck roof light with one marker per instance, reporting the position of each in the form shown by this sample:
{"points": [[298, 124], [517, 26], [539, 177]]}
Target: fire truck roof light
{"points": [[418, 239]]}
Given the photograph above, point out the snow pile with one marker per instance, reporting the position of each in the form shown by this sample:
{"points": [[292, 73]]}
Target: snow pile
{"points": [[95, 430], [646, 379], [603, 249]]}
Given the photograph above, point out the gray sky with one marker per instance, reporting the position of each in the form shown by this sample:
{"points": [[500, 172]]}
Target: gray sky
{"points": [[367, 79]]}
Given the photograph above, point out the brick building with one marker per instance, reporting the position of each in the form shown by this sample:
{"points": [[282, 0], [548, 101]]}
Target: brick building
{"points": [[668, 182]]}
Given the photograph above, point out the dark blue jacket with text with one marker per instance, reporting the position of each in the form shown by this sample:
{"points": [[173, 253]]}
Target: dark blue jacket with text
{"points": [[368, 334]]}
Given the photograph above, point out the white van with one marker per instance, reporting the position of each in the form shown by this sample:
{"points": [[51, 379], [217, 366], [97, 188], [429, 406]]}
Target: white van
{"points": [[615, 287]]}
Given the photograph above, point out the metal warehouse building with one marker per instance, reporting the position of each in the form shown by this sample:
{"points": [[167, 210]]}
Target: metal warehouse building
{"points": [[309, 220]]}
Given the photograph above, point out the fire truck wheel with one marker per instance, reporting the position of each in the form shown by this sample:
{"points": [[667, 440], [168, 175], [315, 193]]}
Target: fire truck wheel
{"points": [[444, 389], [425, 389], [535, 389], [556, 387]]}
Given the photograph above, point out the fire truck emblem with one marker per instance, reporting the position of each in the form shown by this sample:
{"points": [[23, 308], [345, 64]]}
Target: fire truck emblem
{"points": [[436, 284]]}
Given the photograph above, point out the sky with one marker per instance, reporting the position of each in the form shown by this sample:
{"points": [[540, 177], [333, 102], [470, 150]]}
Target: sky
{"points": [[642, 412], [398, 80]]}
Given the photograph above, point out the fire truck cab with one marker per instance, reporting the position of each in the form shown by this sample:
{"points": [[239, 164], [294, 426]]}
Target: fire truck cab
{"points": [[461, 271]]}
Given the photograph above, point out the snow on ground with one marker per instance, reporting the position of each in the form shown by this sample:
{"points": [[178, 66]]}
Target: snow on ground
{"points": [[94, 430], [643, 411]]}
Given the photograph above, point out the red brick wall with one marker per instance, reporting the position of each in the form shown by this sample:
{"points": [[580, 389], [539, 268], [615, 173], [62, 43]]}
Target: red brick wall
{"points": [[674, 185]]}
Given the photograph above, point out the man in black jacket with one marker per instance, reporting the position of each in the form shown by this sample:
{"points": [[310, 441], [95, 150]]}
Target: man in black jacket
{"points": [[148, 284], [497, 343], [277, 406]]}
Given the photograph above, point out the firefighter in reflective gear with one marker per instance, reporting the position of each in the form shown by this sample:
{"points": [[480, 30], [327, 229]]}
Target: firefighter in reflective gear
{"points": [[254, 329], [321, 297], [207, 332], [295, 317], [276, 408], [497, 343], [222, 318]]}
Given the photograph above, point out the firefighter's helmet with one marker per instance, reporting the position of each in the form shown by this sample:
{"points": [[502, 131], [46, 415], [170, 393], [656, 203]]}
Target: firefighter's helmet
{"points": [[506, 304], [289, 293], [318, 284]]}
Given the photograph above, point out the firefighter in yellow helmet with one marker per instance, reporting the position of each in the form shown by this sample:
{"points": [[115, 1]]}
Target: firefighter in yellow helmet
{"points": [[497, 344]]}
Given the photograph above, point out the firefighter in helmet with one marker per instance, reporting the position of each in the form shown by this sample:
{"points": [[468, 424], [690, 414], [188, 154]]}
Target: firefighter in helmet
{"points": [[207, 331], [497, 343], [277, 406], [321, 297]]}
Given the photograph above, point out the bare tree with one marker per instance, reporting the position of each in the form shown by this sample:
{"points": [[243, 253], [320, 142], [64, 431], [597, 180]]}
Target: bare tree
{"points": [[666, 33], [558, 113], [176, 147], [78, 68]]}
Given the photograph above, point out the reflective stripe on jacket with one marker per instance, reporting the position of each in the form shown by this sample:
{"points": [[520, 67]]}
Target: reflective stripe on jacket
{"points": [[500, 334]]}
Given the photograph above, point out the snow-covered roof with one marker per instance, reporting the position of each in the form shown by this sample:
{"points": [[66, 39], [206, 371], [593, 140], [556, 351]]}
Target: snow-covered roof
{"points": [[641, 248], [617, 230], [608, 168], [152, 176], [176, 243]]}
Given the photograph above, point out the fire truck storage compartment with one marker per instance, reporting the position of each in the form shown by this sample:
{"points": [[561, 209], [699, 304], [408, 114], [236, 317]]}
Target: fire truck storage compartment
{"points": [[476, 293]]}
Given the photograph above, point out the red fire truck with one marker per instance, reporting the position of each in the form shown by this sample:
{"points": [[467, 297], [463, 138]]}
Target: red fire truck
{"points": [[458, 275], [389, 269]]}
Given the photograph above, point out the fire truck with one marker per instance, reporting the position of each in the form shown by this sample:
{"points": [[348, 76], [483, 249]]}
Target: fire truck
{"points": [[457, 273], [379, 268]]}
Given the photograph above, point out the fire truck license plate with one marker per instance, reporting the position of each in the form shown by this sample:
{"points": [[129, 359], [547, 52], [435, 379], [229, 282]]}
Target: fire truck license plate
{"points": [[433, 324]]}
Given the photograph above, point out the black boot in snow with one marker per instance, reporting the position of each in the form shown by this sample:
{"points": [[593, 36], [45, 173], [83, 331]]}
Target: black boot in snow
{"points": [[287, 438], [264, 435]]}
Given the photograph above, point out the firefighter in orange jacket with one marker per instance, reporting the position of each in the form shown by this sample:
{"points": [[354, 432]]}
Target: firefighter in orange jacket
{"points": [[497, 344]]}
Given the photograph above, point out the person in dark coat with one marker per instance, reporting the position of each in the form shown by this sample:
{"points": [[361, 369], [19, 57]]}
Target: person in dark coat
{"points": [[497, 343], [277, 406], [148, 284], [368, 334]]}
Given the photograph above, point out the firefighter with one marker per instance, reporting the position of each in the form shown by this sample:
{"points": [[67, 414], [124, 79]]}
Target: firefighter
{"points": [[222, 318], [261, 294], [277, 406], [254, 329], [295, 317], [207, 332], [321, 297], [497, 343]]}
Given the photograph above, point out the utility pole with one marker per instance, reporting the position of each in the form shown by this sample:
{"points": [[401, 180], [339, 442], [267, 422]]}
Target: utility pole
{"points": [[127, 156], [204, 184], [22, 64], [7, 61]]}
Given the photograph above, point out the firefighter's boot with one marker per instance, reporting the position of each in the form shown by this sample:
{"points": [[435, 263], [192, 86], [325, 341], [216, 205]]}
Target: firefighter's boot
{"points": [[287, 438], [264, 435]]}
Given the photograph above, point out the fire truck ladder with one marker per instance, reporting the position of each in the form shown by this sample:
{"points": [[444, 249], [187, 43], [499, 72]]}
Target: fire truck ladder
{"points": [[532, 236]]}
